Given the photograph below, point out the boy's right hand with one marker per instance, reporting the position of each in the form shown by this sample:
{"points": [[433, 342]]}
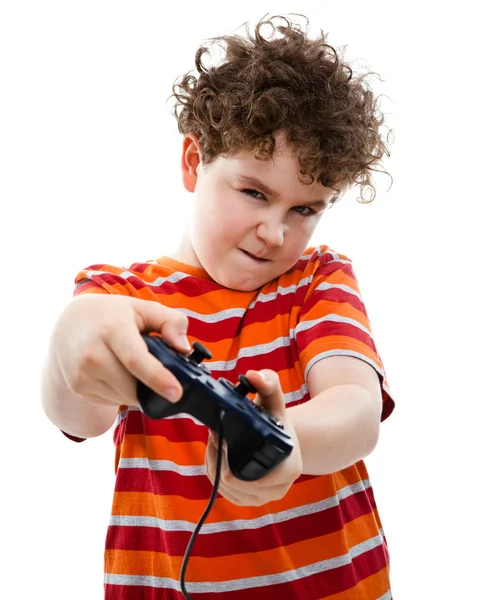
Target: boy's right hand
{"points": [[100, 352]]}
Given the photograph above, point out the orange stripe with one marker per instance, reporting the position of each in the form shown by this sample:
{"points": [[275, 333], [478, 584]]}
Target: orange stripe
{"points": [[214, 301], [156, 447], [236, 566]]}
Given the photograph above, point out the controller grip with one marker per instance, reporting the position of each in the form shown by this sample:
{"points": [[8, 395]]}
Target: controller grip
{"points": [[153, 405], [250, 455], [192, 402]]}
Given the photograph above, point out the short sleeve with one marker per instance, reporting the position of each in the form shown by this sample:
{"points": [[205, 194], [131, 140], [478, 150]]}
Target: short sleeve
{"points": [[333, 320], [101, 279]]}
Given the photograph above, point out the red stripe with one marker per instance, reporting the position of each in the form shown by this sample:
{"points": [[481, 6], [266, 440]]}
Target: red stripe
{"points": [[215, 332], [313, 587], [241, 542], [325, 264], [140, 267], [168, 483], [335, 295], [175, 430], [73, 437], [165, 483], [189, 287], [279, 359]]}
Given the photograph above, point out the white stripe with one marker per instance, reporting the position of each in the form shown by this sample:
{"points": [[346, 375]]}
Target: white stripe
{"points": [[345, 288], [243, 524], [322, 355], [173, 278], [297, 395], [216, 317], [335, 256], [304, 325], [281, 291], [256, 350], [161, 465]]}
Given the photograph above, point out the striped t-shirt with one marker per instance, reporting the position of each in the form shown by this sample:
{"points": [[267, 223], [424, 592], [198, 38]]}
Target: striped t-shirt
{"points": [[324, 539]]}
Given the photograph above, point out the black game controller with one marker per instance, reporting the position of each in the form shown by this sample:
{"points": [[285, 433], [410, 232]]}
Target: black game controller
{"points": [[256, 441]]}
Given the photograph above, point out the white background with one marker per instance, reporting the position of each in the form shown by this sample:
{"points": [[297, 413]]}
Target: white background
{"points": [[89, 172]]}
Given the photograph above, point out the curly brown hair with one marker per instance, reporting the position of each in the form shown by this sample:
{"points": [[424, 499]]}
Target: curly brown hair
{"points": [[292, 84]]}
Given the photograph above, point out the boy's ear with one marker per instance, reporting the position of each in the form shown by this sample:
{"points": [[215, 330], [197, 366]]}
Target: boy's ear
{"points": [[191, 159]]}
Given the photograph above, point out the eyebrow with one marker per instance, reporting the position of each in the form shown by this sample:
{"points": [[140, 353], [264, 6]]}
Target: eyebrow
{"points": [[255, 182]]}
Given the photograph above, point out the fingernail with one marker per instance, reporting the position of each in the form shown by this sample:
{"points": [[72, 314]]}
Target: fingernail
{"points": [[183, 341], [264, 377], [171, 394]]}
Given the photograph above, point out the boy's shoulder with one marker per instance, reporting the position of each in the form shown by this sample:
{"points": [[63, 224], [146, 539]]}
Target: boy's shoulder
{"points": [[318, 260], [322, 255]]}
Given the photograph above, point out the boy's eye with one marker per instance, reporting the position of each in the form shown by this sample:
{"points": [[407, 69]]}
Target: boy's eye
{"points": [[305, 211], [253, 193]]}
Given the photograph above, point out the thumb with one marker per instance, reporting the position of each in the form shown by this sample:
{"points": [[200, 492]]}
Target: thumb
{"points": [[270, 395], [271, 398]]}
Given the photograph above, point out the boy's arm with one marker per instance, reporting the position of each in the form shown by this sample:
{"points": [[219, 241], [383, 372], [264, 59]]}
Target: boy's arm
{"points": [[72, 413], [340, 424]]}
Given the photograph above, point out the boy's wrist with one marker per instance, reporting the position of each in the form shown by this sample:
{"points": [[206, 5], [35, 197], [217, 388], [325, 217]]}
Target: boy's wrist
{"points": [[336, 428]]}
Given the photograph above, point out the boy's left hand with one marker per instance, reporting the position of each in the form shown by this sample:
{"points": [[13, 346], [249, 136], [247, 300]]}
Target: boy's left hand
{"points": [[276, 484]]}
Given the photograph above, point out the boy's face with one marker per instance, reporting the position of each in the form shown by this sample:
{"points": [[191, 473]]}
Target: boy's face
{"points": [[251, 219]]}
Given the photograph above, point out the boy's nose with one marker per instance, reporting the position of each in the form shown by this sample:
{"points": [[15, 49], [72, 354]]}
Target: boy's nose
{"points": [[271, 233]]}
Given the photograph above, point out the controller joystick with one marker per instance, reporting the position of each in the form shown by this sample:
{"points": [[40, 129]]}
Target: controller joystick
{"points": [[256, 442], [244, 387], [199, 353]]}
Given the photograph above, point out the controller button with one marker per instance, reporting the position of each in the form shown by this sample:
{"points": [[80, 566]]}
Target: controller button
{"points": [[276, 421], [272, 452], [244, 387], [264, 459], [253, 470]]}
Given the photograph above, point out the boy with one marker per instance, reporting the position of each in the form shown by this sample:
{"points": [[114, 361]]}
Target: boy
{"points": [[271, 138]]}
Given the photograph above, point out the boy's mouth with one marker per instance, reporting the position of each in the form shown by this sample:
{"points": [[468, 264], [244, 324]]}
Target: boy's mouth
{"points": [[249, 254]]}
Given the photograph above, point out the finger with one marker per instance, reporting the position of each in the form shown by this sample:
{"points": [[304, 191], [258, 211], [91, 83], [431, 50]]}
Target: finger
{"points": [[270, 395], [133, 354], [230, 486], [240, 499], [212, 456], [171, 323], [228, 491], [104, 376]]}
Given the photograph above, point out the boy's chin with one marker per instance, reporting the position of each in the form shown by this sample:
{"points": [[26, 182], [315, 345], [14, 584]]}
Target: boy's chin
{"points": [[240, 282]]}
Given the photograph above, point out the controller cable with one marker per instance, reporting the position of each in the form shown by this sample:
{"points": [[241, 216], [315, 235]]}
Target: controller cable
{"points": [[208, 508]]}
